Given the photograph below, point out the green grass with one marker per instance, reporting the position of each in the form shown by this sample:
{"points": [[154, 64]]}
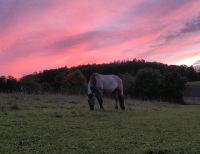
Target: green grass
{"points": [[56, 124], [196, 83]]}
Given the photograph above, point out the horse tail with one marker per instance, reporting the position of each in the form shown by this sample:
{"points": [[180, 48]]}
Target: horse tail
{"points": [[121, 87], [120, 95]]}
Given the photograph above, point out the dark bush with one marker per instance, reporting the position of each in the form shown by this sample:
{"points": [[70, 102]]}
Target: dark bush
{"points": [[30, 84], [173, 87], [157, 82], [129, 84], [76, 82], [148, 84], [151, 84], [9, 84]]}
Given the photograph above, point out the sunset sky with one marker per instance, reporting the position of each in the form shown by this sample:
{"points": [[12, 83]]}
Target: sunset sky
{"points": [[43, 34]]}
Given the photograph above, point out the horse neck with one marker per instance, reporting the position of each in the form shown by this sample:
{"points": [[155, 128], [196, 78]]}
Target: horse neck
{"points": [[93, 79], [89, 88]]}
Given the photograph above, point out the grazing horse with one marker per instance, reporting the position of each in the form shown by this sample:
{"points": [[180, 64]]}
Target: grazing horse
{"points": [[99, 84]]}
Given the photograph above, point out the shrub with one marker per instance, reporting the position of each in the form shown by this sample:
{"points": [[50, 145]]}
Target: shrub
{"points": [[76, 82], [129, 84], [151, 84], [29, 84], [173, 87], [148, 83]]}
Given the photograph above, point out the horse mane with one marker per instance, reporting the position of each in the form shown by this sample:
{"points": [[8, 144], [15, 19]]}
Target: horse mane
{"points": [[93, 79]]}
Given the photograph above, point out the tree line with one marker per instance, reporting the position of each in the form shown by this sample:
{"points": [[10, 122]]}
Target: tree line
{"points": [[145, 80]]}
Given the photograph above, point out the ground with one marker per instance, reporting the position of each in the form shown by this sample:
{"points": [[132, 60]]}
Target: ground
{"points": [[60, 124]]}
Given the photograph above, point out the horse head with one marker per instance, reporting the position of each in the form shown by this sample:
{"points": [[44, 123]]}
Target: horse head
{"points": [[91, 101]]}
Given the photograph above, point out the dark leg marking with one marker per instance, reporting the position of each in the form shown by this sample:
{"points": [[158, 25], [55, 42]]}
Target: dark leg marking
{"points": [[116, 102], [116, 98], [121, 101], [115, 93], [100, 100]]}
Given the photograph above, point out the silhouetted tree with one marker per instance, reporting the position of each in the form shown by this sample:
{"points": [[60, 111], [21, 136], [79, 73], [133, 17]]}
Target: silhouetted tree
{"points": [[8, 84], [2, 84], [30, 84], [76, 82], [148, 84], [52, 80], [11, 84], [173, 88], [157, 82], [128, 85], [133, 66]]}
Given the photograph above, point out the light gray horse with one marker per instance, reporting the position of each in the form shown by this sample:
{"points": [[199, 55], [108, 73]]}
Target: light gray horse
{"points": [[99, 84]]}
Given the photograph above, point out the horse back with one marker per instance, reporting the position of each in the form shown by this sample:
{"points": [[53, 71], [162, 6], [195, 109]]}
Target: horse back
{"points": [[110, 83]]}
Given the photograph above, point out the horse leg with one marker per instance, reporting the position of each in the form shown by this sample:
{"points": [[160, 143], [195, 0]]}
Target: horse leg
{"points": [[100, 100], [121, 100], [116, 100]]}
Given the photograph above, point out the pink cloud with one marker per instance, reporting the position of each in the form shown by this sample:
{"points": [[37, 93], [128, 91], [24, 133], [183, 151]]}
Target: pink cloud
{"points": [[57, 33]]}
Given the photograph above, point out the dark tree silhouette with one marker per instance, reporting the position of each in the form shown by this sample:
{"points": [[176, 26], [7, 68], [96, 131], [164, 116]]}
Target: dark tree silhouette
{"points": [[146, 80]]}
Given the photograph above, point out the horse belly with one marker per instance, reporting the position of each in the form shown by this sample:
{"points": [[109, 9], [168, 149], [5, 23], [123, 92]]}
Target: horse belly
{"points": [[109, 87]]}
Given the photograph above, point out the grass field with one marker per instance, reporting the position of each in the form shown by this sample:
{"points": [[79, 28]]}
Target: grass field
{"points": [[58, 124], [196, 83]]}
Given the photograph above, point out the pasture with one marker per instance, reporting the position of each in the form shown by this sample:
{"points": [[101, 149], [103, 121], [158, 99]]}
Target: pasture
{"points": [[59, 124], [194, 83]]}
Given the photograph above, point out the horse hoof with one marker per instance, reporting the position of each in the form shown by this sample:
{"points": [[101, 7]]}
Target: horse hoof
{"points": [[123, 108], [102, 108]]}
